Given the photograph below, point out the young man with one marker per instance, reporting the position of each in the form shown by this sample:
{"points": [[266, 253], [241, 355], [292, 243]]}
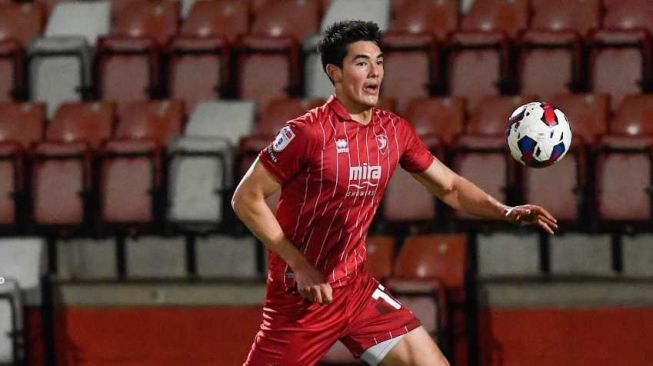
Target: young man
{"points": [[332, 166]]}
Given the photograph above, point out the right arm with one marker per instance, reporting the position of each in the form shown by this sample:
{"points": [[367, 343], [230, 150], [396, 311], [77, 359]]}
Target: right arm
{"points": [[249, 205]]}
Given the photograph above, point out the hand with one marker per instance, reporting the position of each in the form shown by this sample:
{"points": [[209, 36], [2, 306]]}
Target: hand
{"points": [[532, 215], [312, 285]]}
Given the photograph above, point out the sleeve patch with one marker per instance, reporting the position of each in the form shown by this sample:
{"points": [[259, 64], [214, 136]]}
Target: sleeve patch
{"points": [[283, 139]]}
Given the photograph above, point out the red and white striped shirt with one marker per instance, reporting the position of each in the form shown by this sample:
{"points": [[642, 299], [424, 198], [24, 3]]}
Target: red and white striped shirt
{"points": [[333, 173]]}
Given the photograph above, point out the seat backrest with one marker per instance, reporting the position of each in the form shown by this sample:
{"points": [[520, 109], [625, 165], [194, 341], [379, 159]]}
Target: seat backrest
{"points": [[587, 113], [22, 22], [581, 255], [294, 18], [628, 14], [492, 114], [316, 83], [508, 16], [143, 18], [427, 16], [380, 252], [638, 256], [89, 122], [280, 111], [508, 255], [634, 116], [228, 18], [433, 256], [581, 16], [406, 200], [90, 19], [159, 121], [444, 117], [229, 119], [377, 11], [23, 123]]}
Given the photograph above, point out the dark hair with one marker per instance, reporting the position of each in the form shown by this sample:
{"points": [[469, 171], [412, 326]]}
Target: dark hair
{"points": [[339, 35]]}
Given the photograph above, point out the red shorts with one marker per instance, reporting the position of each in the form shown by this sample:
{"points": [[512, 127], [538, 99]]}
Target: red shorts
{"points": [[295, 332]]}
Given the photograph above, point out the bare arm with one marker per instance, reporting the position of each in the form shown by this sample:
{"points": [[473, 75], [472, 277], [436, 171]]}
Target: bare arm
{"points": [[461, 194], [249, 204]]}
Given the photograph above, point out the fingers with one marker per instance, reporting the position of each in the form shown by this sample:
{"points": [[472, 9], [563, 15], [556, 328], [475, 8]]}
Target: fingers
{"points": [[318, 294], [546, 226]]}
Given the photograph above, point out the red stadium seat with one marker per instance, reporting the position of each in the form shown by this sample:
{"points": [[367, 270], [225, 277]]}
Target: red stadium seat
{"points": [[21, 22], [130, 179], [380, 252], [280, 111], [417, 53], [549, 63], [628, 15], [87, 122], [477, 66], [620, 63], [507, 16], [12, 56], [158, 20], [225, 18], [67, 167], [634, 116], [127, 69], [587, 114], [490, 118], [444, 117], [268, 68], [158, 121], [294, 18], [22, 123], [438, 18], [198, 69], [580, 16]]}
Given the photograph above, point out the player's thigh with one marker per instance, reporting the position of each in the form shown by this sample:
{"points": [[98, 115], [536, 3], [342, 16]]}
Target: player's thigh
{"points": [[295, 348], [416, 348]]}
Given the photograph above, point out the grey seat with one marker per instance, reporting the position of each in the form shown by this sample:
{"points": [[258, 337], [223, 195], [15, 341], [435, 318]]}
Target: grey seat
{"points": [[90, 19], [226, 119], [226, 256], [638, 256], [156, 257], [581, 255], [59, 70], [377, 11], [317, 83], [86, 259], [508, 255], [200, 172]]}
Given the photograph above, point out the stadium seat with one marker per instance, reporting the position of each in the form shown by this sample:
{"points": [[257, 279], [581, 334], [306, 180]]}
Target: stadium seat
{"points": [[620, 63], [86, 259], [227, 119], [581, 255], [268, 68], [158, 121], [59, 70], [637, 256], [129, 184], [587, 114], [477, 66], [438, 18], [127, 69], [91, 123], [508, 255], [200, 180], [22, 123], [490, 117], [549, 63], [21, 22], [158, 20], [506, 16], [623, 202], [628, 15], [198, 69], [316, 83], [380, 253], [66, 166], [222, 256], [377, 11], [294, 18], [444, 117], [225, 18], [417, 53], [90, 20], [280, 111], [580, 16], [12, 69], [634, 116], [156, 257]]}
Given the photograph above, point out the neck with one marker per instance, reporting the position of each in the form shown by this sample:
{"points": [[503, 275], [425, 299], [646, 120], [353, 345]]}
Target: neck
{"points": [[359, 113]]}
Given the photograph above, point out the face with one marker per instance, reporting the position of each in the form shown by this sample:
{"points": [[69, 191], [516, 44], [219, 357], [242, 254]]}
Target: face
{"points": [[358, 81]]}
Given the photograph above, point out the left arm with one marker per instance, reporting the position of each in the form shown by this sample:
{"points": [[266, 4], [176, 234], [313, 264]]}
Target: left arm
{"points": [[461, 194]]}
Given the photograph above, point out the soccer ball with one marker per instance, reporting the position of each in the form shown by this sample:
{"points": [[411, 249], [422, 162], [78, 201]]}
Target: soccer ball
{"points": [[538, 134]]}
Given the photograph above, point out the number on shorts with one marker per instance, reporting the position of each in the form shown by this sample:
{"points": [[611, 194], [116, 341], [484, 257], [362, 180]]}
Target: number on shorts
{"points": [[378, 293]]}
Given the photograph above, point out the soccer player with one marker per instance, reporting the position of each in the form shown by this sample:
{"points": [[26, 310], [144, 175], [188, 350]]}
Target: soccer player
{"points": [[332, 166]]}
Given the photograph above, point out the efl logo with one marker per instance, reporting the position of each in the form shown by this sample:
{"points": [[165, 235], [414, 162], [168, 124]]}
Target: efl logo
{"points": [[2, 280]]}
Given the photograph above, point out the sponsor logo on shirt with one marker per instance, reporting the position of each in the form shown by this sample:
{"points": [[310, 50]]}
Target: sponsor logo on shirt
{"points": [[271, 154], [283, 139], [364, 176], [341, 146]]}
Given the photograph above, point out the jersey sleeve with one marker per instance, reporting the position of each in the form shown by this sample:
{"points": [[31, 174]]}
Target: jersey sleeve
{"points": [[288, 153], [416, 157]]}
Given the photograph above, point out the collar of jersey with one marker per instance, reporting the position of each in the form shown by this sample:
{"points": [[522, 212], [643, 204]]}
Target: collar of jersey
{"points": [[341, 111]]}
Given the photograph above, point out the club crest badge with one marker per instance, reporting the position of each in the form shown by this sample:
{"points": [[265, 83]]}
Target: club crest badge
{"points": [[282, 140], [382, 141]]}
